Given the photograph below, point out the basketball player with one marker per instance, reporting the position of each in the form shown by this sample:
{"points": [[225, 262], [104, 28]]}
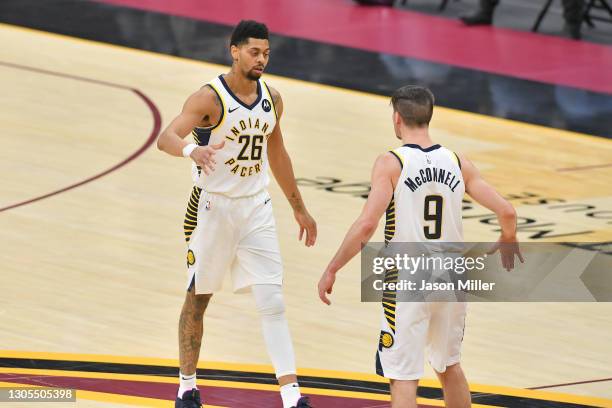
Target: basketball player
{"points": [[229, 226], [425, 211]]}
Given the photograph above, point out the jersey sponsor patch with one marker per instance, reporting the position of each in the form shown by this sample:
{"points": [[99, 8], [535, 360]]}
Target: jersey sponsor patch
{"points": [[266, 105]]}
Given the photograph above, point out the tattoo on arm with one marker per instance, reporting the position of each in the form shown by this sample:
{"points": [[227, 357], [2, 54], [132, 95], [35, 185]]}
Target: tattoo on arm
{"points": [[207, 119], [296, 202], [217, 101]]}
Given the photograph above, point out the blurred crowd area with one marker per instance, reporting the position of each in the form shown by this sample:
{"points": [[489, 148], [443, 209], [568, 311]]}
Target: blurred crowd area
{"points": [[589, 20]]}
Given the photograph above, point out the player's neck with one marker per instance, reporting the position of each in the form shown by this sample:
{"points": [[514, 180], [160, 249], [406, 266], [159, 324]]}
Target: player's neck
{"points": [[240, 84], [417, 136]]}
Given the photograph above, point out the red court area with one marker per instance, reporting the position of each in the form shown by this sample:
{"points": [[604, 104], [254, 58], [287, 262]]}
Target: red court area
{"points": [[222, 396], [394, 31]]}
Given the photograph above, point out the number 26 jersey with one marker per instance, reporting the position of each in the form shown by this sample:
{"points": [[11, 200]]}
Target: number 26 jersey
{"points": [[242, 163]]}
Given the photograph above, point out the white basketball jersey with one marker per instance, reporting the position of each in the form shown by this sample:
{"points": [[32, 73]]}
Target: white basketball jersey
{"points": [[427, 201], [242, 164]]}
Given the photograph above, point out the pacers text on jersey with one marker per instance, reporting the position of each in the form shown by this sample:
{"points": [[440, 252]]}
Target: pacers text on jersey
{"points": [[250, 134]]}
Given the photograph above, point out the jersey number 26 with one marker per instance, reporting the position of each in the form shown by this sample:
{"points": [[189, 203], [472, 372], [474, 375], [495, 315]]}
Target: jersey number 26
{"points": [[256, 142]]}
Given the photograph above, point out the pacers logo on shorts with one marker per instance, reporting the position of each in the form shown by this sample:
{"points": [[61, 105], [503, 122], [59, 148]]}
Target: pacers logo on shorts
{"points": [[190, 258], [386, 340]]}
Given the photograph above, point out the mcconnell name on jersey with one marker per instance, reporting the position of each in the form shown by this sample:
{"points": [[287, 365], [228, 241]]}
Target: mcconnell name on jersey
{"points": [[433, 175]]}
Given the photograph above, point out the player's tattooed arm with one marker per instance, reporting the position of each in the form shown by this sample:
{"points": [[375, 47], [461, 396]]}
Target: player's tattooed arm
{"points": [[207, 120], [280, 164], [202, 108], [296, 202]]}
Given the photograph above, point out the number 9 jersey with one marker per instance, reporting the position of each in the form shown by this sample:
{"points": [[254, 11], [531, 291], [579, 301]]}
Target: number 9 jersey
{"points": [[428, 198], [242, 163]]}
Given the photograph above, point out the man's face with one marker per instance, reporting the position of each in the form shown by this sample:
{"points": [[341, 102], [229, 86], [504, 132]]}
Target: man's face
{"points": [[252, 57]]}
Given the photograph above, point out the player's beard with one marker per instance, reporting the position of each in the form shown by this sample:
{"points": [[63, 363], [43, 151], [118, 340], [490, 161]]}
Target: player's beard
{"points": [[253, 76]]}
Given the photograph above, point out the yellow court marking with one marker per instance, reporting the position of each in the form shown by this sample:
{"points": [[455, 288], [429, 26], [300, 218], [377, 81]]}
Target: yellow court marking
{"points": [[209, 383], [490, 389], [259, 368], [153, 402]]}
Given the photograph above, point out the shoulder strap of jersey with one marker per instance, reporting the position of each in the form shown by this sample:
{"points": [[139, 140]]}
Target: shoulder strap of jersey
{"points": [[267, 91], [214, 85], [398, 155], [454, 157]]}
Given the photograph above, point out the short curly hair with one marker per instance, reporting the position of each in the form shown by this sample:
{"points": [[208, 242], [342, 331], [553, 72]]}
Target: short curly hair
{"points": [[248, 29]]}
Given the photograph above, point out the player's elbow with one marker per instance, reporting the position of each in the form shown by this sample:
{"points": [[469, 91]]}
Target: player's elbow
{"points": [[507, 212], [161, 141], [366, 227]]}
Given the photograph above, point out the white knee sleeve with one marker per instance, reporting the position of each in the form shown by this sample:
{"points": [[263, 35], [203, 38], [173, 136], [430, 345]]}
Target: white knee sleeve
{"points": [[269, 300], [271, 307]]}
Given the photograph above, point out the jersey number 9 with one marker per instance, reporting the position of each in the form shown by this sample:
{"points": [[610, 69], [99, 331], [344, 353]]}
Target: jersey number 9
{"points": [[433, 214]]}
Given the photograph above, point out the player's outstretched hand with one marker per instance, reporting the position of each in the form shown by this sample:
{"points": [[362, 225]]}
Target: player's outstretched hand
{"points": [[326, 285], [307, 224], [204, 156], [508, 248]]}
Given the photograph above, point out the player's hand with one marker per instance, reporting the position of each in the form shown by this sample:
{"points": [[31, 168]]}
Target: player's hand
{"points": [[326, 285], [204, 156], [307, 224], [508, 247]]}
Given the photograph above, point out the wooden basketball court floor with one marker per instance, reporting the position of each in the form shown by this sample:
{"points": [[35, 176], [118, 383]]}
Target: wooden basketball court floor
{"points": [[96, 273]]}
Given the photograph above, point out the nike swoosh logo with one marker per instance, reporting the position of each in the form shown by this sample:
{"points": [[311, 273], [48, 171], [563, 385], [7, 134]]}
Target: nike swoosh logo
{"points": [[231, 110], [267, 201]]}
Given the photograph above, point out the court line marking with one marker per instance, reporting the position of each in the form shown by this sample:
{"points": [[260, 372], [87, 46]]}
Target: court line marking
{"points": [[203, 382], [316, 84], [571, 383], [258, 368], [479, 388], [144, 401], [594, 166], [152, 136]]}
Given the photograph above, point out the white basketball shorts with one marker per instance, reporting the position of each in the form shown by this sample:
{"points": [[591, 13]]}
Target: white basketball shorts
{"points": [[231, 234], [409, 329]]}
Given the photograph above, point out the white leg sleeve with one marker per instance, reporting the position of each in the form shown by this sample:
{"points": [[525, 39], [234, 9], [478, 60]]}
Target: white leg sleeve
{"points": [[271, 308]]}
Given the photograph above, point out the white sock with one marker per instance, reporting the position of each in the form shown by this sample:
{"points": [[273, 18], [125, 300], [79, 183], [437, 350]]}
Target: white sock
{"points": [[290, 393], [187, 383]]}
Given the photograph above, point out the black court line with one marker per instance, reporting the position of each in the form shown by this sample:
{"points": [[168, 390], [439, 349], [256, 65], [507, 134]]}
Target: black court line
{"points": [[268, 378], [148, 142], [457, 88]]}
